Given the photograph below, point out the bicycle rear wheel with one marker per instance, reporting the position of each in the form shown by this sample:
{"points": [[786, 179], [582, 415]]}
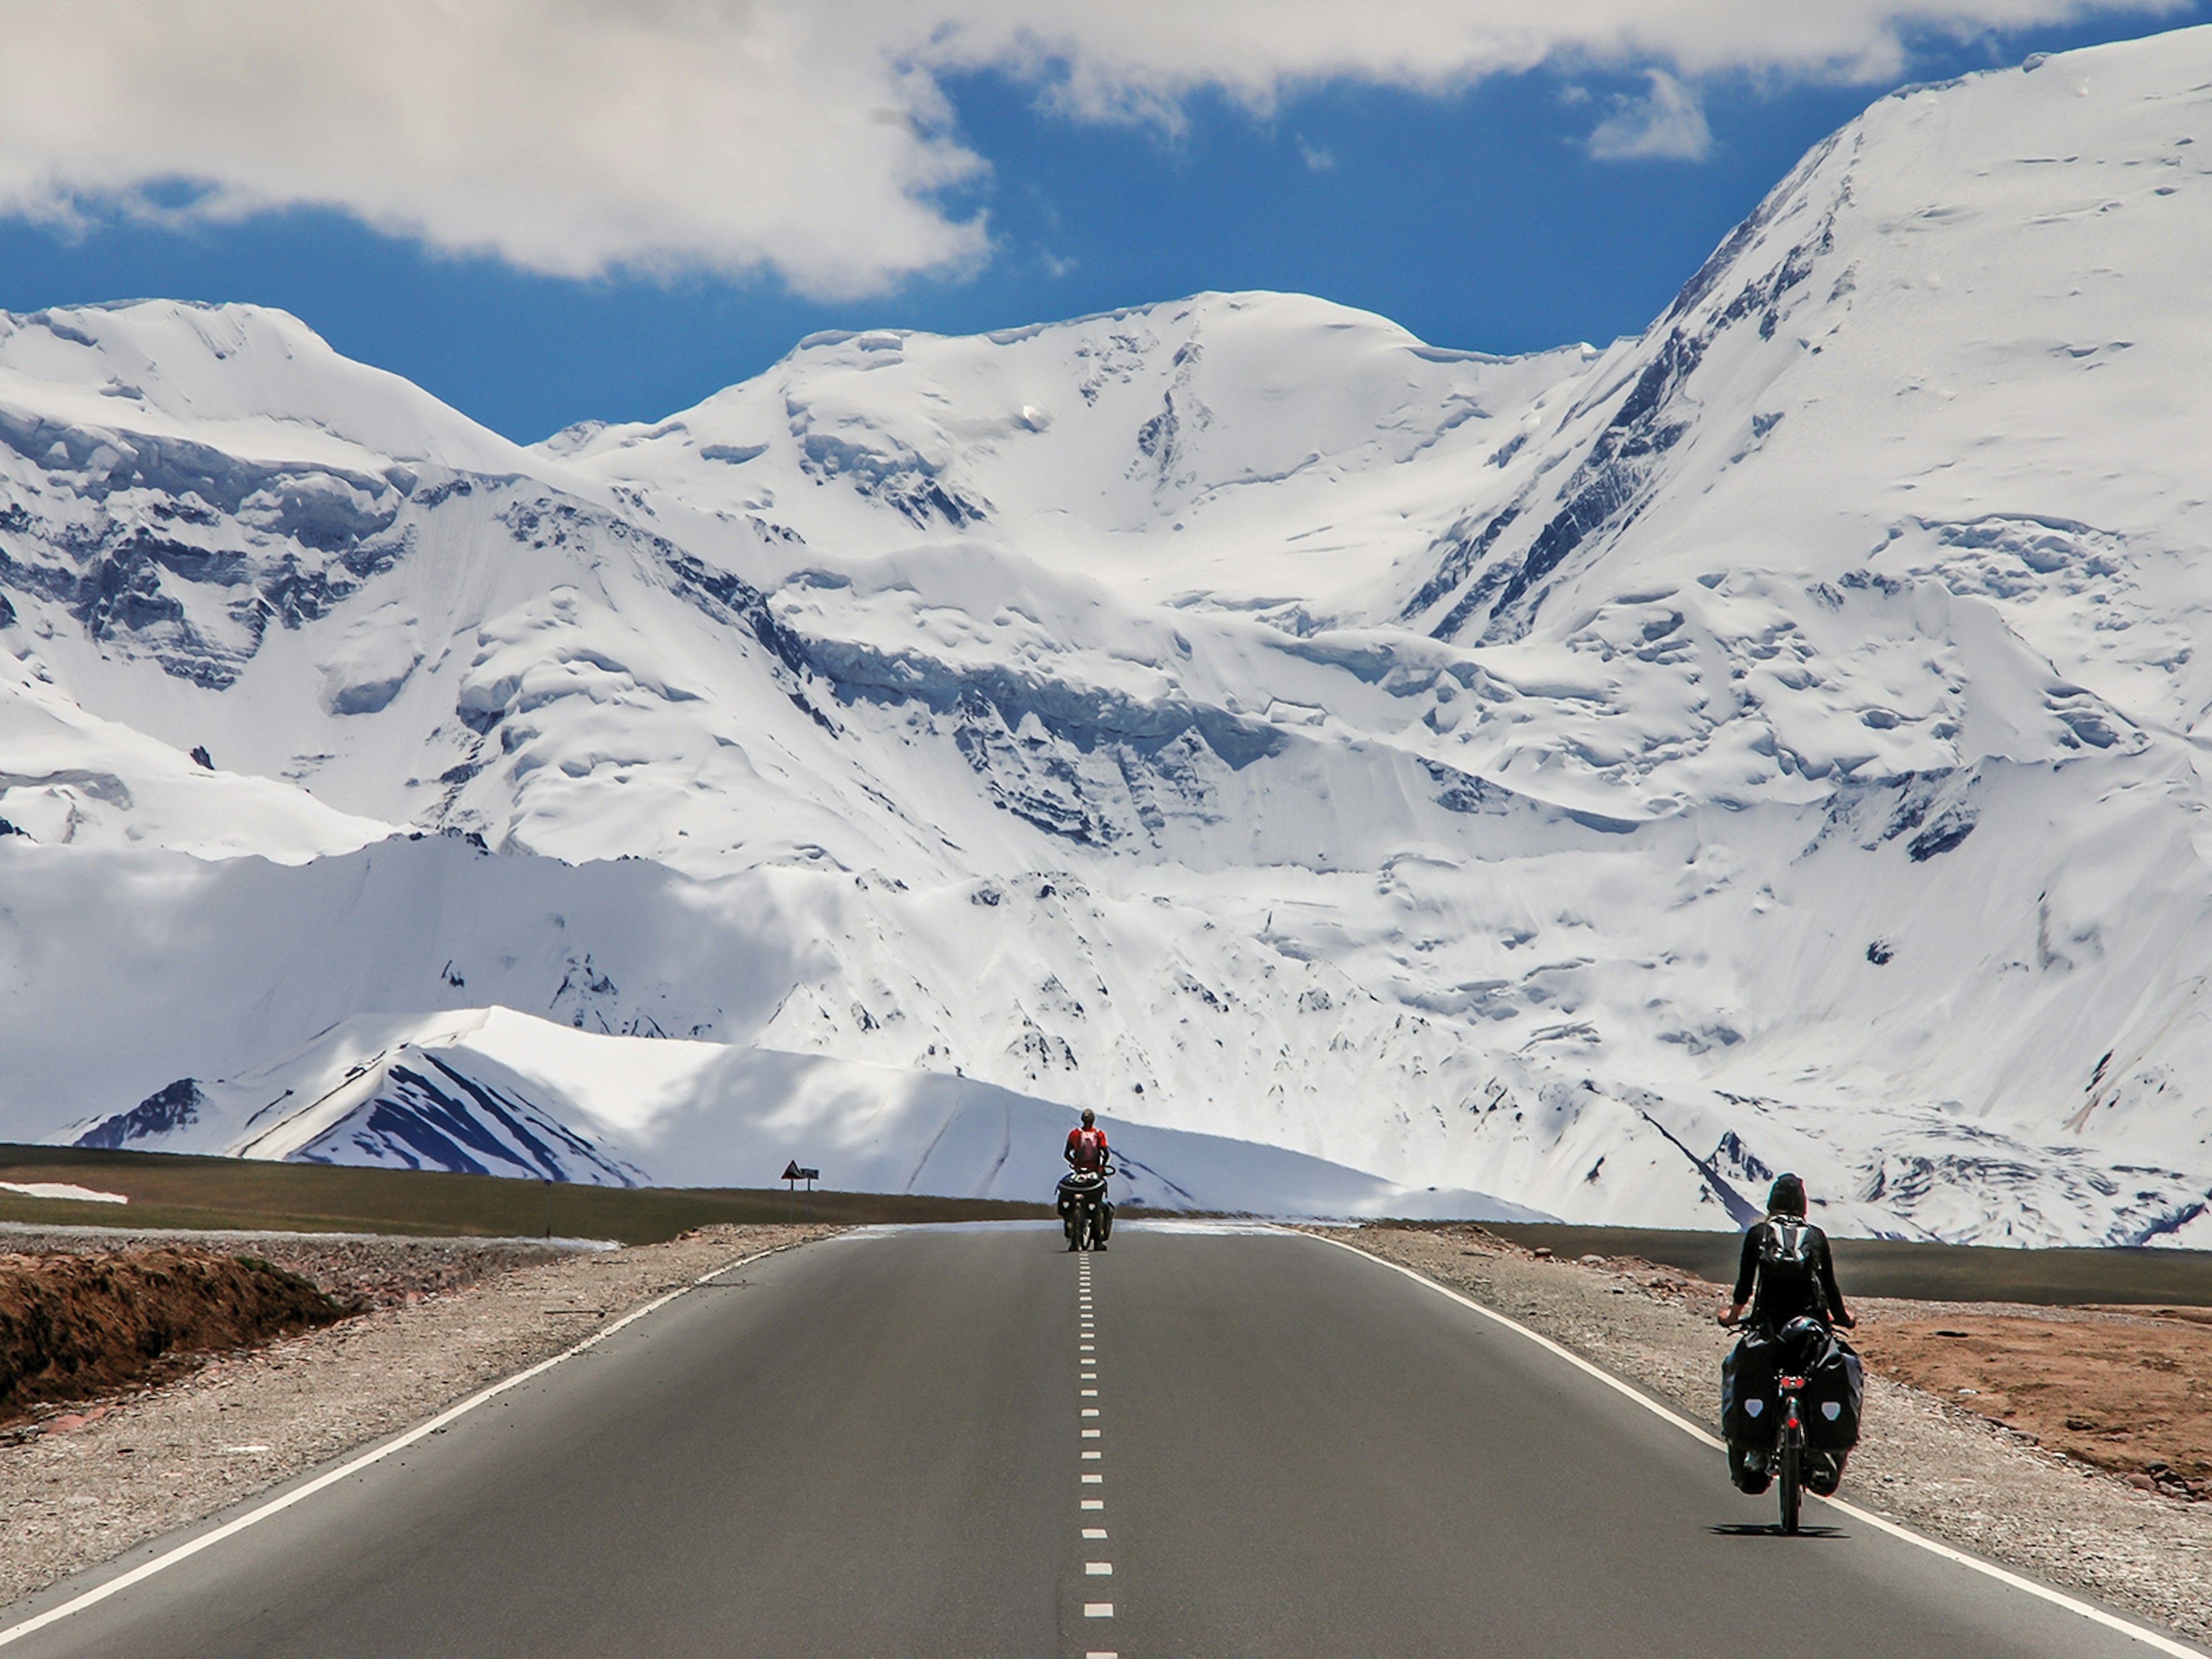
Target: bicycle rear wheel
{"points": [[1793, 1478]]}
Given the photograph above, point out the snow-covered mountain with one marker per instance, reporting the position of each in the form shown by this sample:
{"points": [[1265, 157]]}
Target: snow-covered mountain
{"points": [[1596, 778]]}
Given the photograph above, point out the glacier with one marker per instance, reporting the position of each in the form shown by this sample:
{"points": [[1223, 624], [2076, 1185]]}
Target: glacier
{"points": [[1379, 779]]}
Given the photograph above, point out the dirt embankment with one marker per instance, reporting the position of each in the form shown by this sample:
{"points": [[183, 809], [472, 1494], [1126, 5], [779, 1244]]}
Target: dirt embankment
{"points": [[360, 1270], [77, 1326], [87, 1313]]}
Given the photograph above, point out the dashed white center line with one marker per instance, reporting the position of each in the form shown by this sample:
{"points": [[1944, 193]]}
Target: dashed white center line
{"points": [[1086, 1365]]}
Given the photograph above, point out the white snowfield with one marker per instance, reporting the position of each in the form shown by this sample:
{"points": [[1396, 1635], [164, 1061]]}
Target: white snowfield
{"points": [[511, 1094], [1597, 780]]}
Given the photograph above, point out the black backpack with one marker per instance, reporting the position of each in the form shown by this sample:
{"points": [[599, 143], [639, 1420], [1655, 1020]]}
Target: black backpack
{"points": [[1788, 1283]]}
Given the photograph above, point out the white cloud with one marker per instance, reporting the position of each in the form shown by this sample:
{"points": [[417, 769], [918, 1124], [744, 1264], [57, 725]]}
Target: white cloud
{"points": [[1666, 122], [1316, 160], [562, 136], [811, 138]]}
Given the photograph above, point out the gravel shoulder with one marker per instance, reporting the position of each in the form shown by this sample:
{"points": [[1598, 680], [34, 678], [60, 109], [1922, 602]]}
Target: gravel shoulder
{"points": [[1943, 1470], [444, 1317]]}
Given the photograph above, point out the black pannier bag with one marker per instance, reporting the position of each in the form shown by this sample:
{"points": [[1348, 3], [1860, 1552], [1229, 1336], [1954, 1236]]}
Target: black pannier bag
{"points": [[1835, 1395], [1830, 1401], [1748, 1414]]}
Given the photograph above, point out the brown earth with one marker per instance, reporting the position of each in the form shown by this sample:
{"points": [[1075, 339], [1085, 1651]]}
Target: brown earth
{"points": [[77, 1326], [2125, 1391]]}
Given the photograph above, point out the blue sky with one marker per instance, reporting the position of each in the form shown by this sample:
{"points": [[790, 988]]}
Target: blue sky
{"points": [[1477, 217]]}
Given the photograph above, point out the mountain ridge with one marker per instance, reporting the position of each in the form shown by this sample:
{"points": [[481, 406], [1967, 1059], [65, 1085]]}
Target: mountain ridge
{"points": [[1592, 778]]}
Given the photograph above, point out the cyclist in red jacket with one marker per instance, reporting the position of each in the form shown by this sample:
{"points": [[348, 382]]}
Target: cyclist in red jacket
{"points": [[1086, 1146]]}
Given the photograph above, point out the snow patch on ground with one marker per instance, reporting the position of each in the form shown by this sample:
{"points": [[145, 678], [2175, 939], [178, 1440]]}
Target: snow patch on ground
{"points": [[66, 1189]]}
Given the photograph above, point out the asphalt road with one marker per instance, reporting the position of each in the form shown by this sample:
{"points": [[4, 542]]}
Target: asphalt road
{"points": [[881, 1446]]}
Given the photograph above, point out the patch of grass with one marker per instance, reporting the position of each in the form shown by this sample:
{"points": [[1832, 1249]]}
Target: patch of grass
{"points": [[175, 1190], [1924, 1272]]}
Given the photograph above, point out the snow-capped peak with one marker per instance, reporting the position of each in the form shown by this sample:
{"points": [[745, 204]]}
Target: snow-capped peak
{"points": [[1599, 779]]}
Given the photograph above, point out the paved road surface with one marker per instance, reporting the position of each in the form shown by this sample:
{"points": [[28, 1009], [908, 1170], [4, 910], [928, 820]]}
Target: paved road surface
{"points": [[881, 1448]]}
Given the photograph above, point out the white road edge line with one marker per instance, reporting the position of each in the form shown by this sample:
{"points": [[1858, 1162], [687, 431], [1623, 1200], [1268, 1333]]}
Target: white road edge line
{"points": [[1988, 1568], [146, 1570]]}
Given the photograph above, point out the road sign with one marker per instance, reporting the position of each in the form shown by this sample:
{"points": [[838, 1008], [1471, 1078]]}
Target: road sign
{"points": [[794, 1174]]}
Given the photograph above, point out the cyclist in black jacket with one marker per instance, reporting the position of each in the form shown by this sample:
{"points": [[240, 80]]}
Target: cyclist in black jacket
{"points": [[1776, 1293], [1787, 1271]]}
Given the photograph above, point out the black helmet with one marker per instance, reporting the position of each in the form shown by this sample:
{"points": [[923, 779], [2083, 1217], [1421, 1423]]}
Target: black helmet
{"points": [[1786, 1196]]}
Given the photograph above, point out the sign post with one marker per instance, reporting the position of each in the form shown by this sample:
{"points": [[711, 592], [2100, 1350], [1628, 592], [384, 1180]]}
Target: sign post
{"points": [[793, 1175]]}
